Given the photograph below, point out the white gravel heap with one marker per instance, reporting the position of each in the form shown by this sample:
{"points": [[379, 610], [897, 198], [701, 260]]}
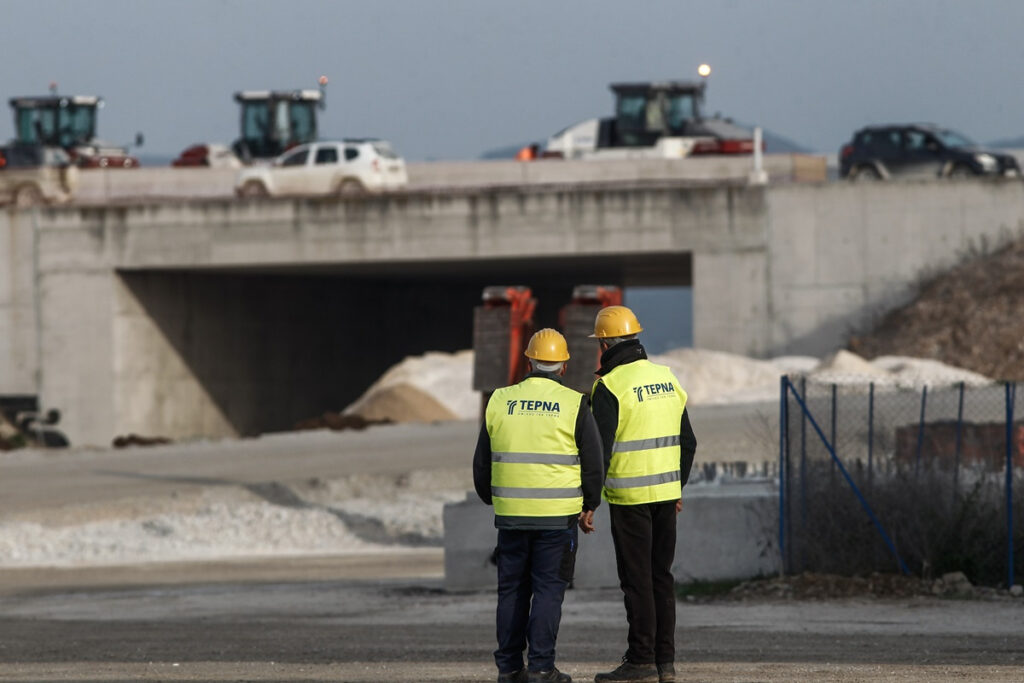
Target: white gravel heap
{"points": [[225, 522], [709, 377]]}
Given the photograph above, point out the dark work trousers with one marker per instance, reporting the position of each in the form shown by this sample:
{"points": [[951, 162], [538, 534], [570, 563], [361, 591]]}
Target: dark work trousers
{"points": [[537, 564], [645, 545]]}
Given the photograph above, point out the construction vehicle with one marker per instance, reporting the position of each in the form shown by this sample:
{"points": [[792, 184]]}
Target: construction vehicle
{"points": [[32, 175], [68, 122], [652, 120], [272, 122]]}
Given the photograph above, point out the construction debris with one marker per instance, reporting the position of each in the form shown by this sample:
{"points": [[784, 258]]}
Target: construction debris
{"points": [[136, 440], [338, 422]]}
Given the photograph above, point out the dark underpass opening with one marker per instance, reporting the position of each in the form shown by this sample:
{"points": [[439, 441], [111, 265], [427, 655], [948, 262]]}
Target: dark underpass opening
{"points": [[248, 351]]}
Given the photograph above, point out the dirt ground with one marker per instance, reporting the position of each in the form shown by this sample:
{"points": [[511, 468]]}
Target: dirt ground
{"points": [[968, 316], [384, 616], [387, 619]]}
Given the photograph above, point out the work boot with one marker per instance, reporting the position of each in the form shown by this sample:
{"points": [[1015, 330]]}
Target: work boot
{"points": [[666, 672], [628, 672], [514, 677], [553, 676]]}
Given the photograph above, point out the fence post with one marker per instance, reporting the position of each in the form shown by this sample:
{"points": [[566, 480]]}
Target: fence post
{"points": [[920, 430], [803, 464], [1011, 395], [833, 434], [959, 436], [871, 432], [783, 470]]}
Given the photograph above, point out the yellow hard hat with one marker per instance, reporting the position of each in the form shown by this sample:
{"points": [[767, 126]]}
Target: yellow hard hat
{"points": [[615, 321], [547, 346]]}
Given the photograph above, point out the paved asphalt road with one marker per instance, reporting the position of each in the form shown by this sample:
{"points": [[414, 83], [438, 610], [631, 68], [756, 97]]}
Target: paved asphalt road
{"points": [[408, 629]]}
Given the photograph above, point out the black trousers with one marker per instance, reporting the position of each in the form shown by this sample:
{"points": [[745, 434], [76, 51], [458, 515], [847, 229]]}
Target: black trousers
{"points": [[645, 546], [534, 569]]}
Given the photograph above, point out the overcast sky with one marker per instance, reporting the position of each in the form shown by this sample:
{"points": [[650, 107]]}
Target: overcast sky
{"points": [[450, 80]]}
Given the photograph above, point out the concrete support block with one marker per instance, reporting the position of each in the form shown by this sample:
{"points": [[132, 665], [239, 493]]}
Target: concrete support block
{"points": [[724, 532], [17, 304], [77, 375]]}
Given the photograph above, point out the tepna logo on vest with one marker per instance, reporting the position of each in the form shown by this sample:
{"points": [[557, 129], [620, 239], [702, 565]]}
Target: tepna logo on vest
{"points": [[654, 391], [528, 407]]}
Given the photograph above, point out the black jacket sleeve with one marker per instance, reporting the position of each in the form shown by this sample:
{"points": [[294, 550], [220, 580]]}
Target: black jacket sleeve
{"points": [[687, 447], [482, 465], [606, 414], [588, 441]]}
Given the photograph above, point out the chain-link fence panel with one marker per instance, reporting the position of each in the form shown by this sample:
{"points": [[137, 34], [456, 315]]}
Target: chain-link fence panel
{"points": [[883, 478]]}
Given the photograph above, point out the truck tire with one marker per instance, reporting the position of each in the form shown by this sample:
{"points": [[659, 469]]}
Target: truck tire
{"points": [[253, 188], [866, 173], [961, 171], [351, 187], [28, 196]]}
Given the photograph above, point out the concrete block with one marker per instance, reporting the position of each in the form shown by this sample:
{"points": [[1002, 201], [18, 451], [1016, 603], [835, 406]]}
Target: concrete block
{"points": [[725, 532], [469, 542]]}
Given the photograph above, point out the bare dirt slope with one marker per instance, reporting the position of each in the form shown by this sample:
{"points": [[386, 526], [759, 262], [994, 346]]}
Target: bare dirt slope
{"points": [[971, 316]]}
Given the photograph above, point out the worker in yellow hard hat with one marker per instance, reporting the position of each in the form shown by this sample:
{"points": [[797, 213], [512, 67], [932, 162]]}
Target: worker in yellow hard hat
{"points": [[538, 462], [648, 446]]}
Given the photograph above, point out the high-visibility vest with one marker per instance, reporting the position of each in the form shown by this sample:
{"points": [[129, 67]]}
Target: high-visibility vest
{"points": [[535, 465], [644, 466]]}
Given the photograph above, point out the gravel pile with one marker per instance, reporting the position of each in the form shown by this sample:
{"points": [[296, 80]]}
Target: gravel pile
{"points": [[347, 516], [437, 386]]}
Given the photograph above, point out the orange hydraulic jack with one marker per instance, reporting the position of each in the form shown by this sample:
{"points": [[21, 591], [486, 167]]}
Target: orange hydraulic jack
{"points": [[577, 322], [502, 326]]}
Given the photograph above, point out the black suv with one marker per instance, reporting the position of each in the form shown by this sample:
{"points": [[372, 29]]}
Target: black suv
{"points": [[922, 151]]}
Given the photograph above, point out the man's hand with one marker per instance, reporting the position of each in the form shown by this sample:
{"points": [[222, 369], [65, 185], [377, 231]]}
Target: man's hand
{"points": [[679, 505], [587, 521]]}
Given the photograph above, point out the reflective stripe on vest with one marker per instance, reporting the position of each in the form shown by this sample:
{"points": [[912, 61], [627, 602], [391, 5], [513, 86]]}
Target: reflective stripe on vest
{"points": [[644, 467], [535, 467]]}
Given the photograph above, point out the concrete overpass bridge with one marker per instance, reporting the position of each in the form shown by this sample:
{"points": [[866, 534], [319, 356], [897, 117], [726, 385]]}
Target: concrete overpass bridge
{"points": [[221, 317]]}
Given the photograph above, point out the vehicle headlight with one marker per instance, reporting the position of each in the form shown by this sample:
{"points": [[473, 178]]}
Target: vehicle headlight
{"points": [[987, 161]]}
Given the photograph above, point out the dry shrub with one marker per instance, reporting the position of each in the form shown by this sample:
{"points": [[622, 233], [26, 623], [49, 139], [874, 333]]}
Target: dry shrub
{"points": [[934, 527]]}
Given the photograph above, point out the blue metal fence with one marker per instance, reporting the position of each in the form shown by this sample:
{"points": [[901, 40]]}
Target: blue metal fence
{"points": [[898, 452]]}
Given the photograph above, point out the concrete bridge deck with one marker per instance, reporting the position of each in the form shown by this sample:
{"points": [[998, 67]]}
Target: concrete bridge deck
{"points": [[221, 317]]}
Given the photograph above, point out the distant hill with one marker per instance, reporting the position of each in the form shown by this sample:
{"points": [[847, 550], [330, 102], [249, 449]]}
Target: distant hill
{"points": [[773, 144], [1008, 143], [155, 159], [777, 144]]}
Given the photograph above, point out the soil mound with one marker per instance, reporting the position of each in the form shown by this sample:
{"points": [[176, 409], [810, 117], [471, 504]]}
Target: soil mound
{"points": [[434, 386], [402, 403], [971, 316]]}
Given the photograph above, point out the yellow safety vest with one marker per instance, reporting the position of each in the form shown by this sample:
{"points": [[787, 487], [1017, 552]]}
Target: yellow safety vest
{"points": [[535, 465], [644, 467]]}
